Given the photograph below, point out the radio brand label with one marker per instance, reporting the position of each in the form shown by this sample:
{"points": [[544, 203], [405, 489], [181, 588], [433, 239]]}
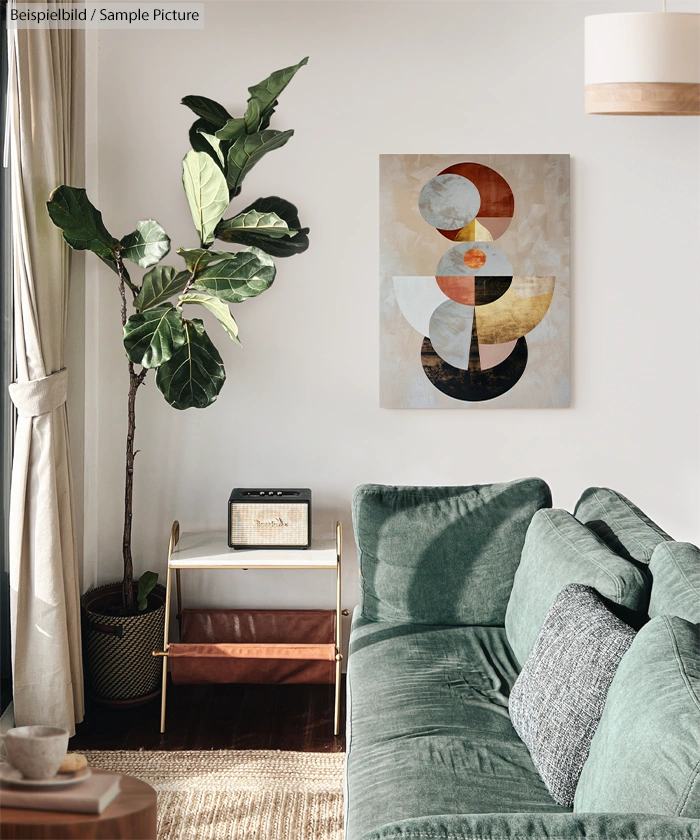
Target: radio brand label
{"points": [[277, 522]]}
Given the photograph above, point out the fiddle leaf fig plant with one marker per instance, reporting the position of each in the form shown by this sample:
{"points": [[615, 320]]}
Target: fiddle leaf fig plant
{"points": [[159, 333]]}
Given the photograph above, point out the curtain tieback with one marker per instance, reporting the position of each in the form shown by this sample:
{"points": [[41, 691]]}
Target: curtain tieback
{"points": [[40, 396]]}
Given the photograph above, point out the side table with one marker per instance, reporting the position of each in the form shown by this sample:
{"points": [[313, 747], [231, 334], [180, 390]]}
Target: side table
{"points": [[209, 550], [132, 816]]}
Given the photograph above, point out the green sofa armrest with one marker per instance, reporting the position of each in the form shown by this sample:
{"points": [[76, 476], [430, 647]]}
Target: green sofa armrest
{"points": [[545, 826]]}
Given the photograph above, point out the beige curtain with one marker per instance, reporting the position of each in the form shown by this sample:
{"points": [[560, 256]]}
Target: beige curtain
{"points": [[45, 601]]}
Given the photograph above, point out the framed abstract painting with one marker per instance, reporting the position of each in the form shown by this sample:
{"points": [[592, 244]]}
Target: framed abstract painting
{"points": [[474, 289]]}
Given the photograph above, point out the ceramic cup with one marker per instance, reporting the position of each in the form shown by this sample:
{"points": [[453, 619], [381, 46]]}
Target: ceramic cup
{"points": [[36, 751]]}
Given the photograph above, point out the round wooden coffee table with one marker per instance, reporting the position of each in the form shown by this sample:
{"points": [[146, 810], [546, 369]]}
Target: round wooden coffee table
{"points": [[132, 816]]}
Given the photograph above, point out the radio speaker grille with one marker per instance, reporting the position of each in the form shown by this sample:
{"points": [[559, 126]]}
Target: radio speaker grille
{"points": [[269, 523]]}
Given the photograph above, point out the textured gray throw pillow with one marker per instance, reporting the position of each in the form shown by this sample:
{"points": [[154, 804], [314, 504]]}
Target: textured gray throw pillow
{"points": [[558, 699]]}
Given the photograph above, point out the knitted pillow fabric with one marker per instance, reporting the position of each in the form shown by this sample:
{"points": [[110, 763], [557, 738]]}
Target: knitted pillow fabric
{"points": [[558, 699]]}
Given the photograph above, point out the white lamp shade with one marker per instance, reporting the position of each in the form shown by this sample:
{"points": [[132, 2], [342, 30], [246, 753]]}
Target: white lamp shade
{"points": [[647, 63]]}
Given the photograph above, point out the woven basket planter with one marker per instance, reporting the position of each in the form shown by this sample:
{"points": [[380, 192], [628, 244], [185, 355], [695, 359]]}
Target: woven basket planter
{"points": [[119, 664]]}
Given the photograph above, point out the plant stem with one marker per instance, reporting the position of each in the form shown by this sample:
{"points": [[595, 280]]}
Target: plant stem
{"points": [[135, 380], [193, 275], [128, 582], [122, 289], [189, 283]]}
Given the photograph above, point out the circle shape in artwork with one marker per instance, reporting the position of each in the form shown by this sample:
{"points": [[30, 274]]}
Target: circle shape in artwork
{"points": [[449, 201], [451, 332], [454, 262], [474, 258], [496, 201]]}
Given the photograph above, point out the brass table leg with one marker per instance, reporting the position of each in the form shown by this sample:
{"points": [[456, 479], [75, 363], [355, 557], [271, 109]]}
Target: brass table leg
{"points": [[174, 538], [179, 595], [165, 650]]}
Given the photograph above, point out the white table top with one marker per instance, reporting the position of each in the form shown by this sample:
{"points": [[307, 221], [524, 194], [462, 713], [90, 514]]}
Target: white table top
{"points": [[209, 550]]}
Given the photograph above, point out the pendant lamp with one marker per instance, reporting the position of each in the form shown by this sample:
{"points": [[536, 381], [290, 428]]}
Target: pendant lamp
{"points": [[645, 64]]}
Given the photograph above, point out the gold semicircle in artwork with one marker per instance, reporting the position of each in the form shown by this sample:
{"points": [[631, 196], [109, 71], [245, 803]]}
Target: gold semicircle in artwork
{"points": [[515, 314]]}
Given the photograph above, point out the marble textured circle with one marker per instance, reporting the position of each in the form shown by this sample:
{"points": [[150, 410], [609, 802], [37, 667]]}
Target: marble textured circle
{"points": [[449, 201], [453, 262], [451, 332]]}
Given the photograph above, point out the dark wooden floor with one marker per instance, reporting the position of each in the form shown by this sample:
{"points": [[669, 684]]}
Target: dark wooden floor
{"points": [[217, 717]]}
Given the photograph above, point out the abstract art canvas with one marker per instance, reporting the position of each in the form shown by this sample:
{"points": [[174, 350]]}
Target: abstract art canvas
{"points": [[474, 295]]}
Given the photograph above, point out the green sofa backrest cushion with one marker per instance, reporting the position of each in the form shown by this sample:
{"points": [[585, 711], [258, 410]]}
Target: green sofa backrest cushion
{"points": [[558, 551], [442, 555], [644, 755], [675, 587], [621, 525]]}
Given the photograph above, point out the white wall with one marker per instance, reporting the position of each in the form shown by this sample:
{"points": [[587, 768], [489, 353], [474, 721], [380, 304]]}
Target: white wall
{"points": [[300, 406]]}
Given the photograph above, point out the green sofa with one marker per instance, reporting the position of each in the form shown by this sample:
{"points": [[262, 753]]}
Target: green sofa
{"points": [[455, 582]]}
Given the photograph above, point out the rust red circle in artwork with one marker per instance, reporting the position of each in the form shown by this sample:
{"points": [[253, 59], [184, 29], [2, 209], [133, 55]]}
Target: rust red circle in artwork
{"points": [[474, 258], [497, 201], [459, 289]]}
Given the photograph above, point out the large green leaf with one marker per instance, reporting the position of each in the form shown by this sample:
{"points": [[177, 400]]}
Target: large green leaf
{"points": [[248, 150], [198, 143], [232, 130], [159, 284], [148, 244], [227, 136], [206, 191], [81, 223], [252, 115], [151, 337], [269, 89], [282, 247], [207, 109], [252, 221], [197, 259], [215, 144], [147, 582], [246, 274], [195, 374], [218, 308]]}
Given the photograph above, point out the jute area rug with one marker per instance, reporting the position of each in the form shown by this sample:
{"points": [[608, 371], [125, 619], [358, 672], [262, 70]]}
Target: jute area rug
{"points": [[238, 794]]}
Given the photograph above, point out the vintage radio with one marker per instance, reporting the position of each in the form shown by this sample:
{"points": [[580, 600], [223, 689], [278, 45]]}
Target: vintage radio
{"points": [[269, 518]]}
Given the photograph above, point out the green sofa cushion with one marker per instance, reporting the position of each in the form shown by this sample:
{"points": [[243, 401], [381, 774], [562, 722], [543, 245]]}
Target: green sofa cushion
{"points": [[428, 730], [621, 525], [675, 588], [645, 753], [442, 555], [558, 551]]}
